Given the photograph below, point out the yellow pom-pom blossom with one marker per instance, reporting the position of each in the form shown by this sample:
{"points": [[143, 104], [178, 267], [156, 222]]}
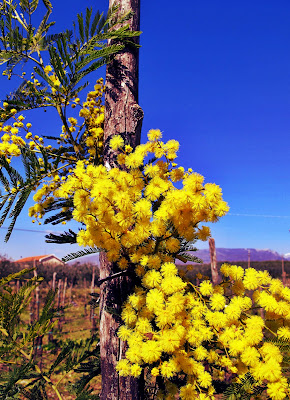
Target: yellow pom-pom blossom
{"points": [[116, 142], [141, 218], [183, 333], [251, 279], [117, 206], [55, 166]]}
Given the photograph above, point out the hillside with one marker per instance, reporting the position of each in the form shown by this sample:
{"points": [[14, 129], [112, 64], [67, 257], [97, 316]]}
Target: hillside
{"points": [[233, 255]]}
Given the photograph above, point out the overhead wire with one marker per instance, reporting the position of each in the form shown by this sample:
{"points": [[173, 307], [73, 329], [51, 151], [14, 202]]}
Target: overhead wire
{"points": [[259, 215]]}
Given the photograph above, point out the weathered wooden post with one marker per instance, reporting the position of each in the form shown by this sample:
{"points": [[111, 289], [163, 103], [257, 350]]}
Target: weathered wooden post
{"points": [[123, 117], [59, 287], [38, 349], [283, 273], [31, 309], [62, 319], [70, 293], [93, 280], [92, 288], [64, 293], [213, 262], [50, 333], [93, 310], [53, 280], [36, 296]]}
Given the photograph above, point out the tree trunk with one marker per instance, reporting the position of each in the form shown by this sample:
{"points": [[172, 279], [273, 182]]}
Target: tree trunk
{"points": [[123, 117], [123, 114]]}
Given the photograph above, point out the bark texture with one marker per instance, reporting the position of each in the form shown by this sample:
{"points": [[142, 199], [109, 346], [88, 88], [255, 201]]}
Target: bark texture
{"points": [[113, 294], [123, 114], [123, 117], [216, 278]]}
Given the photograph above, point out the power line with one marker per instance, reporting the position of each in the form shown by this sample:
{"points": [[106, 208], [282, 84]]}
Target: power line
{"points": [[259, 215], [29, 230]]}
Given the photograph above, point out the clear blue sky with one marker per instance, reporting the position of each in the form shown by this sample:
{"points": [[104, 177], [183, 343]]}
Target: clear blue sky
{"points": [[215, 76]]}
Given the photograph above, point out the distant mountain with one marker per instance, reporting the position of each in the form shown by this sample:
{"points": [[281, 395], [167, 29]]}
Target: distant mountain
{"points": [[231, 255], [90, 259], [240, 255]]}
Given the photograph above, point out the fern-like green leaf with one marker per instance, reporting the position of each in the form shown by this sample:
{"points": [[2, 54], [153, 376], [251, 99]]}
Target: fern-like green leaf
{"points": [[66, 237], [81, 26], [95, 22], [103, 53], [58, 218], [47, 4], [81, 253], [88, 21], [16, 275], [24, 195]]}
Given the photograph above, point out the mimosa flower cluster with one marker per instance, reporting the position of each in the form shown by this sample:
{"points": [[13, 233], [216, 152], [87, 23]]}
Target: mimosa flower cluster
{"points": [[137, 214], [201, 332], [90, 147], [141, 214], [86, 136], [11, 141], [79, 140]]}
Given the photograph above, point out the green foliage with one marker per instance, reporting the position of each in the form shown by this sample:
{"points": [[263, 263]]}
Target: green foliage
{"points": [[66, 237], [73, 55], [80, 53], [81, 253], [23, 376], [247, 389], [18, 189]]}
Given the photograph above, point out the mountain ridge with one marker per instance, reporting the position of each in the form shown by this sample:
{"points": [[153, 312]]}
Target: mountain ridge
{"points": [[223, 254], [240, 254]]}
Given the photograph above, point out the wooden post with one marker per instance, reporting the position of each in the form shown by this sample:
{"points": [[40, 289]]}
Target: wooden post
{"points": [[59, 286], [70, 293], [92, 291], [64, 292], [216, 279], [31, 309], [283, 273], [249, 258], [63, 300], [36, 297], [92, 311], [33, 304], [53, 280], [123, 117], [38, 350], [50, 333], [93, 280]]}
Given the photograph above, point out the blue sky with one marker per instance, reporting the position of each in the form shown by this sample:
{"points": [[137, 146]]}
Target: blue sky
{"points": [[215, 76]]}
